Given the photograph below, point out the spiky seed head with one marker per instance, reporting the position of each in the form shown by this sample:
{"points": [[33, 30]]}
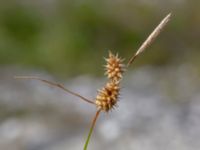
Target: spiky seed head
{"points": [[108, 95], [114, 67]]}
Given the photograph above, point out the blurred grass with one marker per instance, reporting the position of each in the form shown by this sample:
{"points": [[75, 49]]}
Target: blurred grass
{"points": [[68, 38]]}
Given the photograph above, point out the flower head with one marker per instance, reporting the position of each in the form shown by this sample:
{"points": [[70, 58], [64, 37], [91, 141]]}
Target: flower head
{"points": [[114, 67], [107, 97]]}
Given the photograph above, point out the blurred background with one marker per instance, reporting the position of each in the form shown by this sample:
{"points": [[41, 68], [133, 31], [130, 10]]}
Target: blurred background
{"points": [[65, 41]]}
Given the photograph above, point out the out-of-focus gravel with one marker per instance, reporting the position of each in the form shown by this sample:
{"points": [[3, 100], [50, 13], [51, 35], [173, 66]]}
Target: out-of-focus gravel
{"points": [[159, 109]]}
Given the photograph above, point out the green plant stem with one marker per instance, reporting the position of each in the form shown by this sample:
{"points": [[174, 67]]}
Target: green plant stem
{"points": [[91, 129]]}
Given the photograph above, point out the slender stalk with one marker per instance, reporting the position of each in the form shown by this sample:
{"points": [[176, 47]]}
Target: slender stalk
{"points": [[150, 38], [55, 85], [91, 129]]}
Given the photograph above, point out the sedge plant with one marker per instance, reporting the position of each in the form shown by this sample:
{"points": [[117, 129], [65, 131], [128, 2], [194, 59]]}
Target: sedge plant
{"points": [[107, 96]]}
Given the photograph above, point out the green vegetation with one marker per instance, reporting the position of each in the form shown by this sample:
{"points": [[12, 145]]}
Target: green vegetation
{"points": [[67, 38]]}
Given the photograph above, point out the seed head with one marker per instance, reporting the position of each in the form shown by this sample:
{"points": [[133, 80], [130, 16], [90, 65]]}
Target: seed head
{"points": [[108, 95], [114, 67]]}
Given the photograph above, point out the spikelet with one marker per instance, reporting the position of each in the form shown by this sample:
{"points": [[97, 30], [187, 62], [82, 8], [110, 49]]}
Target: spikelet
{"points": [[108, 95], [114, 67]]}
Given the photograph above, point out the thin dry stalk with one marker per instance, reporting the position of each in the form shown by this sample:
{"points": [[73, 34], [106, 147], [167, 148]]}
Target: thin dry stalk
{"points": [[92, 128], [55, 85], [150, 38]]}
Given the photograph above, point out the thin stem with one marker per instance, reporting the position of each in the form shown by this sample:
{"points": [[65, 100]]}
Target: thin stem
{"points": [[150, 38], [91, 129], [56, 85]]}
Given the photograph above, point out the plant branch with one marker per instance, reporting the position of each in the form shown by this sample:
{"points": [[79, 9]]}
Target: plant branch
{"points": [[55, 85], [150, 38]]}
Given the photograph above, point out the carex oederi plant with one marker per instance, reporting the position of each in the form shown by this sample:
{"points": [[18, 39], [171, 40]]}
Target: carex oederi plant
{"points": [[115, 67]]}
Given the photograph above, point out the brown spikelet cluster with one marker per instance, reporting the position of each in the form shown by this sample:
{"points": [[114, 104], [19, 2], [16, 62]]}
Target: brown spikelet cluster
{"points": [[108, 95], [114, 67]]}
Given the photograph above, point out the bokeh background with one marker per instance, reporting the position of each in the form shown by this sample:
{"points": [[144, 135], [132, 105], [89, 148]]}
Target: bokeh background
{"points": [[65, 41]]}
